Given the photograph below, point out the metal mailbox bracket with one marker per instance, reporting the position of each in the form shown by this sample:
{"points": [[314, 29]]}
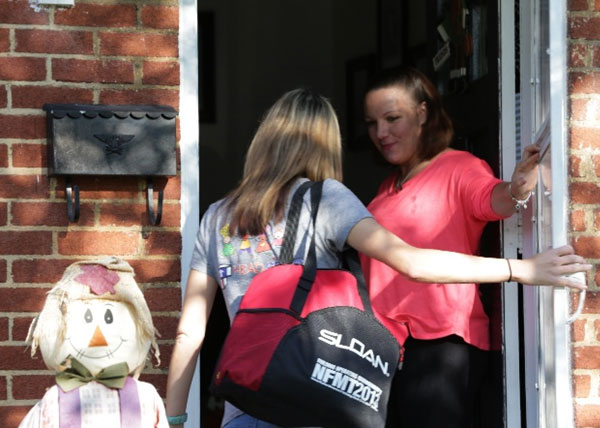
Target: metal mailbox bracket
{"points": [[117, 140]]}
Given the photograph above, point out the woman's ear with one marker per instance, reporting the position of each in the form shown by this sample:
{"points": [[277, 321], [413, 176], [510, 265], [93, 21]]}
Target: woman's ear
{"points": [[422, 113]]}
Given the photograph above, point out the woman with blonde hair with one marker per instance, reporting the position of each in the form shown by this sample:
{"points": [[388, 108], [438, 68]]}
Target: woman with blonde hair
{"points": [[239, 236]]}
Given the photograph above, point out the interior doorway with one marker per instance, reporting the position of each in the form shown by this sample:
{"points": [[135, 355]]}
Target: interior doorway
{"points": [[263, 48]]}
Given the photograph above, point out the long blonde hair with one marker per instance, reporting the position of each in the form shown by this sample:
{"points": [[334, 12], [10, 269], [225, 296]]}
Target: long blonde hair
{"points": [[298, 137]]}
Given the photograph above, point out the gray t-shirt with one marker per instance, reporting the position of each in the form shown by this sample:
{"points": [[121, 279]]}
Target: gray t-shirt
{"points": [[234, 260]]}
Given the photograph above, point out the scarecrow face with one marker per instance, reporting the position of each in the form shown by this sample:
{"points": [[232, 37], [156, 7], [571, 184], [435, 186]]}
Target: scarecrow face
{"points": [[100, 333]]}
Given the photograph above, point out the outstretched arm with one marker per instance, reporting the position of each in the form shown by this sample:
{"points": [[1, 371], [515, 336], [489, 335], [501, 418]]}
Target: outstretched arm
{"points": [[199, 297], [424, 265], [523, 181]]}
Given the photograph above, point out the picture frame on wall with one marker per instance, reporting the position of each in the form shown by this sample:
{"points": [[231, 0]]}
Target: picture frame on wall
{"points": [[391, 33], [206, 67]]}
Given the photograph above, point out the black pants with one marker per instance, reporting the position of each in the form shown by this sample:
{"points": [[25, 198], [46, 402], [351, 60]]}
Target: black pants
{"points": [[438, 385]]}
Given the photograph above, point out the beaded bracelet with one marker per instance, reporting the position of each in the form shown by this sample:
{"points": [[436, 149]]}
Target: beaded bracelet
{"points": [[177, 420], [518, 202]]}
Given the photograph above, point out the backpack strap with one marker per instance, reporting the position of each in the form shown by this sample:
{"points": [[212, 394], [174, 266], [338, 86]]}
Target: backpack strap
{"points": [[310, 264], [349, 258], [291, 225]]}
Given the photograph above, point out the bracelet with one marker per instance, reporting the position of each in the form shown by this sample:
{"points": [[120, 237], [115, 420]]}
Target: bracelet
{"points": [[518, 202], [177, 420], [509, 271]]}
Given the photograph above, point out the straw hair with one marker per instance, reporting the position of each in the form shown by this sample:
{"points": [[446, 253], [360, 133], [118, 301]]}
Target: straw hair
{"points": [[47, 331], [298, 137]]}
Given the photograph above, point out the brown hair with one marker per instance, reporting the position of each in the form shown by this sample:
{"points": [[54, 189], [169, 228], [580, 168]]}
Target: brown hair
{"points": [[438, 130], [298, 137]]}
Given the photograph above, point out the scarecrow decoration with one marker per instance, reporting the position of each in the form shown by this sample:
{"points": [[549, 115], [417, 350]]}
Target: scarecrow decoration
{"points": [[95, 331]]}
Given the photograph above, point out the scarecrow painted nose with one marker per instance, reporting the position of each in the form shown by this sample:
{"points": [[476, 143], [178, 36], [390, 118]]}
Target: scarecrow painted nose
{"points": [[97, 339]]}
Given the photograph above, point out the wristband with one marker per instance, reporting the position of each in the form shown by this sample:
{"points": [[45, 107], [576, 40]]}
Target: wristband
{"points": [[509, 271], [518, 202], [177, 420]]}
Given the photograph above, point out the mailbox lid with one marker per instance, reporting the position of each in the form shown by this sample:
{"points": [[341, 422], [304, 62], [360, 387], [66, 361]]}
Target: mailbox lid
{"points": [[94, 139]]}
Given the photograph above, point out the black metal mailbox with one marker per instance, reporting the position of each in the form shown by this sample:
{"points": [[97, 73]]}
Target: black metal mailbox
{"points": [[136, 140]]}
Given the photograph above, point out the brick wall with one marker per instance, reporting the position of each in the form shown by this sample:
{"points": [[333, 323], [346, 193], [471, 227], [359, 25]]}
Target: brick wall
{"points": [[107, 52], [584, 156]]}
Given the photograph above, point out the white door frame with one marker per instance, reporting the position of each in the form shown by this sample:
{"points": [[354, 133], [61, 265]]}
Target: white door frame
{"points": [[510, 232], [547, 349], [189, 127]]}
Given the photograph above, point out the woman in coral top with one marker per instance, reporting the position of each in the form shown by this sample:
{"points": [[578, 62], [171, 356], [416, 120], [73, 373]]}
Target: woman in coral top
{"points": [[438, 198]]}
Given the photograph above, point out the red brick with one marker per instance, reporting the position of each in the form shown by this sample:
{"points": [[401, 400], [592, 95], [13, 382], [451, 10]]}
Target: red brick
{"points": [[578, 220], [592, 301], [3, 97], [39, 271], [584, 138], [21, 328], [4, 329], [137, 214], [3, 270], [37, 96], [164, 243], [163, 17], [163, 299], [12, 242], [31, 387], [105, 188], [22, 127], [24, 186], [3, 156], [4, 41], [596, 5], [587, 415], [49, 214], [584, 83], [579, 330], [586, 357], [579, 5], [158, 380], [596, 57], [156, 270], [19, 358], [20, 12], [78, 70], [140, 96], [3, 388], [98, 243], [584, 28], [581, 386], [597, 329], [54, 42], [139, 44], [585, 109], [171, 187], [577, 55], [574, 166], [22, 68], [22, 299], [161, 73], [587, 246], [597, 220], [166, 326], [585, 193], [11, 416], [165, 355], [96, 15], [29, 155]]}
